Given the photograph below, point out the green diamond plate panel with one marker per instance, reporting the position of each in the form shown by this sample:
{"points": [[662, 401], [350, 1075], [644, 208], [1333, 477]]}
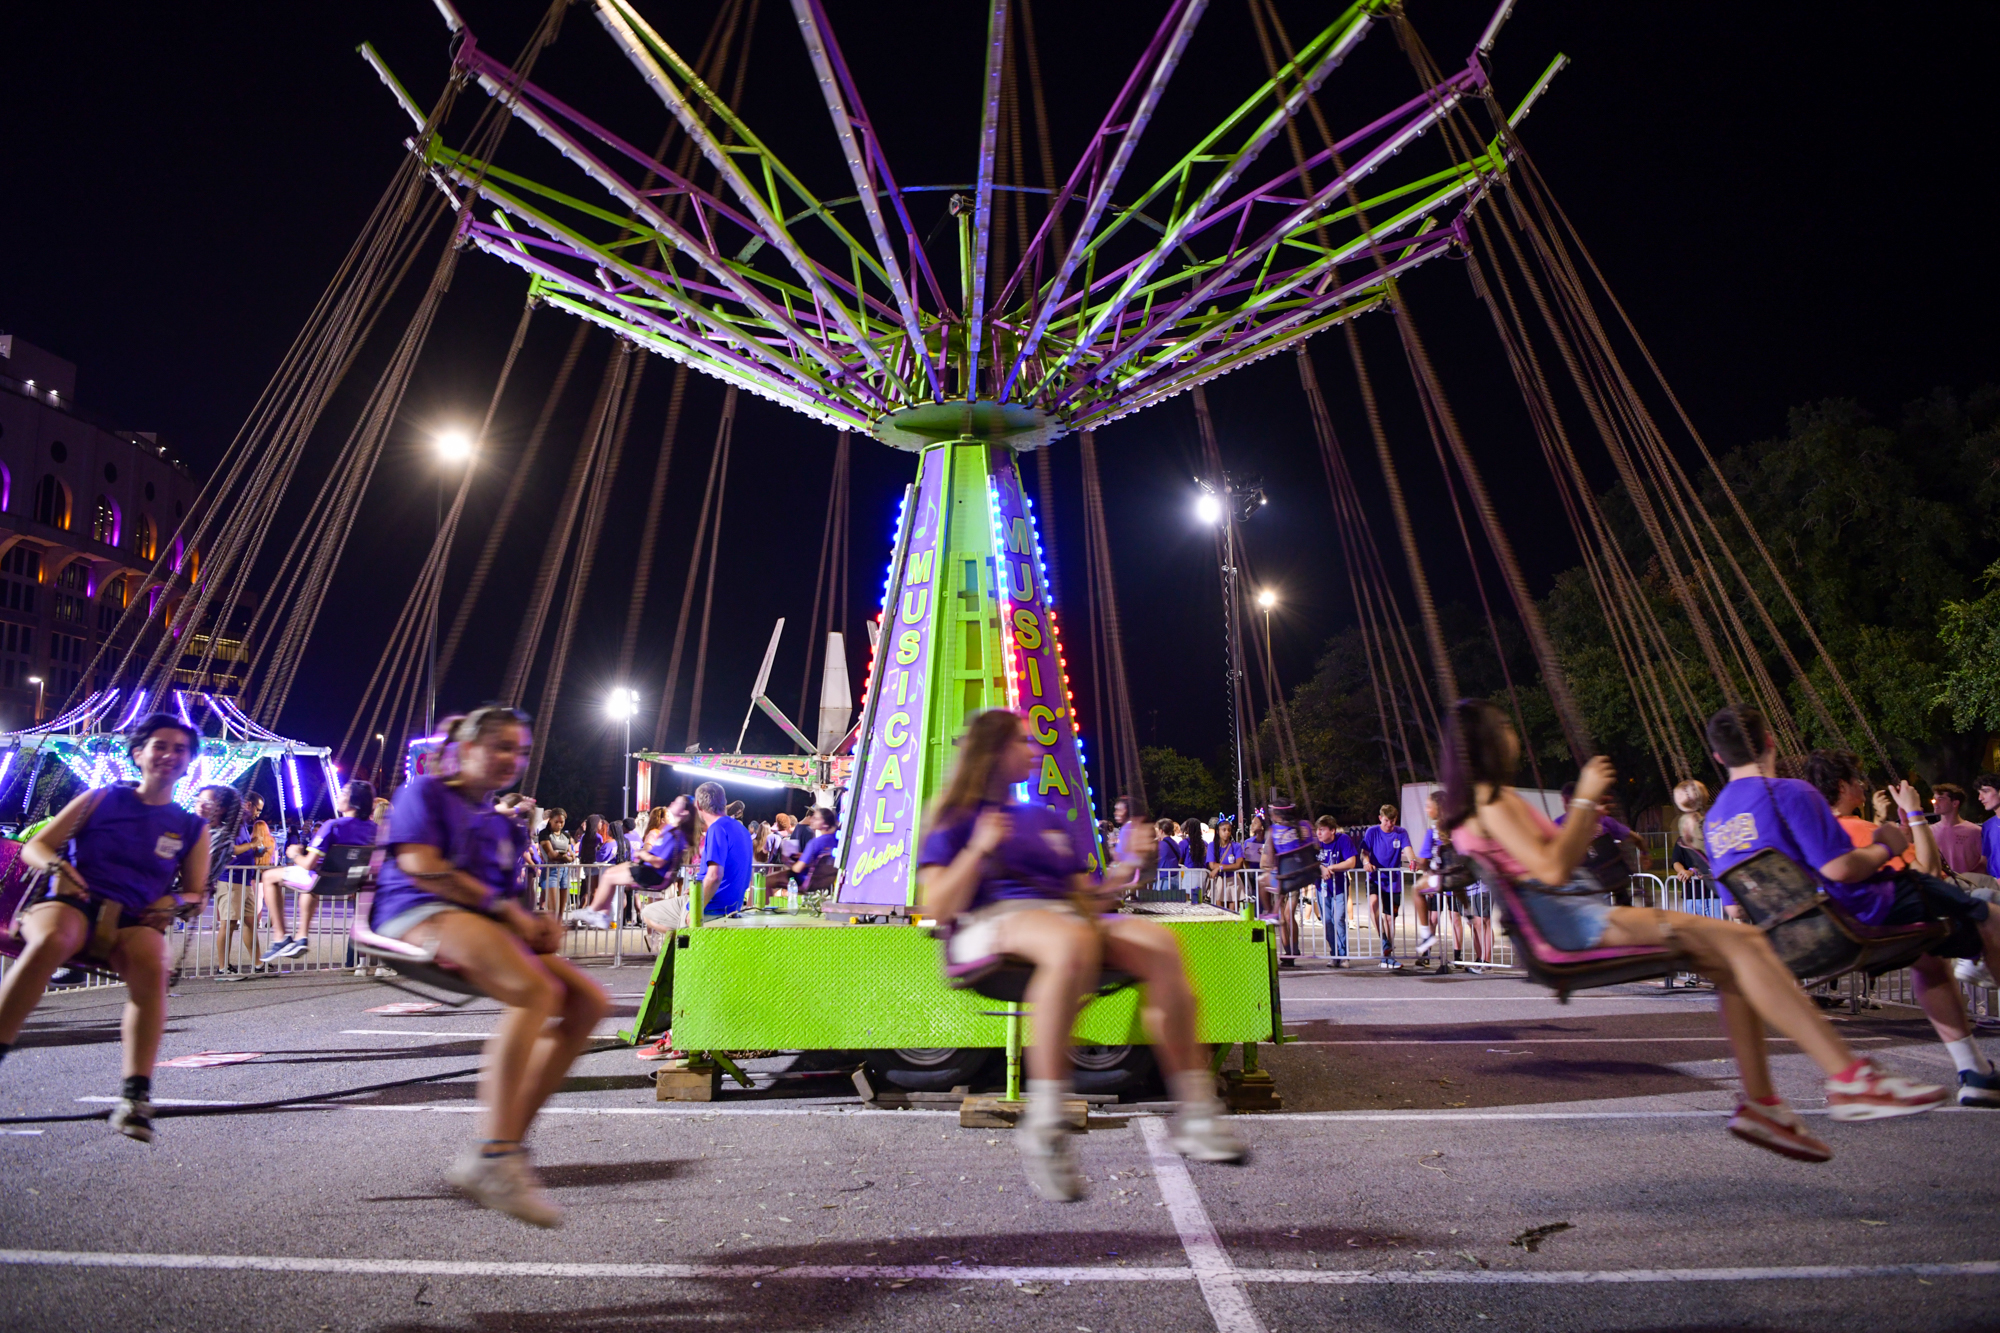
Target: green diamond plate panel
{"points": [[802, 984]]}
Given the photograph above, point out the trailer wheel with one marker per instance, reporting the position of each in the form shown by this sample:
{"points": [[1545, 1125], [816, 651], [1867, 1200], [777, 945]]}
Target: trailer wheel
{"points": [[931, 1069], [1122, 1070]]}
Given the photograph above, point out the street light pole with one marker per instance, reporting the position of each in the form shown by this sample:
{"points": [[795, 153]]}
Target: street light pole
{"points": [[454, 446], [36, 681], [623, 704]]}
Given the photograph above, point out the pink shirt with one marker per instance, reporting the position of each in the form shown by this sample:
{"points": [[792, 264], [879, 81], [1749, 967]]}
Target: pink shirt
{"points": [[1469, 841], [1960, 844]]}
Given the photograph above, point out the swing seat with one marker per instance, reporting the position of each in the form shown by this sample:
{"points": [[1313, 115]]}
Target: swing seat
{"points": [[408, 960], [16, 883], [344, 871], [1567, 970], [1814, 936], [1004, 976]]}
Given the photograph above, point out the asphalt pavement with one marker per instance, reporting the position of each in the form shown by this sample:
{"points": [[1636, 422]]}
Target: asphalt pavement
{"points": [[1458, 1153]]}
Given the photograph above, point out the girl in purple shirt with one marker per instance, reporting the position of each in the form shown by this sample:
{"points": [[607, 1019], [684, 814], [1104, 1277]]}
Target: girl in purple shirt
{"points": [[656, 856], [116, 855], [1010, 880], [449, 885]]}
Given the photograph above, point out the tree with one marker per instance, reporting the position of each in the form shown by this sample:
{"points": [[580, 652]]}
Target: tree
{"points": [[1971, 634], [1181, 787]]}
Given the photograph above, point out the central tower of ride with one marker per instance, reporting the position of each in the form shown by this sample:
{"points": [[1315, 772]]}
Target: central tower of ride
{"points": [[968, 623]]}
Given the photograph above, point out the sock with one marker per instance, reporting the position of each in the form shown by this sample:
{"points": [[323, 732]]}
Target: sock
{"points": [[1968, 1057], [499, 1147], [1045, 1101], [1772, 1100], [1854, 1072], [1194, 1089], [137, 1088]]}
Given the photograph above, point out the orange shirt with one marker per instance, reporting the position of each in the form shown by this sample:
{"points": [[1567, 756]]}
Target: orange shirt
{"points": [[1863, 833]]}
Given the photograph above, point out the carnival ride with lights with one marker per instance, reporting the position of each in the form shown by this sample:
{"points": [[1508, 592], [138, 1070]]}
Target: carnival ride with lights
{"points": [[89, 741], [1118, 297]]}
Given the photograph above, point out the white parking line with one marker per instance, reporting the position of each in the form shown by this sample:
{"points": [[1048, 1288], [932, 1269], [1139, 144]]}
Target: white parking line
{"points": [[642, 1272], [429, 1032], [1527, 1041], [1221, 1285]]}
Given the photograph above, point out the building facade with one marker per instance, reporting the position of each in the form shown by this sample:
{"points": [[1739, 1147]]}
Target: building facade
{"points": [[86, 509]]}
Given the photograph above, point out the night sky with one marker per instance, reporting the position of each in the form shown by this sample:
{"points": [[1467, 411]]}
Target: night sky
{"points": [[1793, 205]]}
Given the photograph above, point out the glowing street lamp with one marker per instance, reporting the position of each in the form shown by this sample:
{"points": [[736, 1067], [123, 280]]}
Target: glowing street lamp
{"points": [[622, 705], [36, 681], [1208, 508], [454, 446], [1267, 599]]}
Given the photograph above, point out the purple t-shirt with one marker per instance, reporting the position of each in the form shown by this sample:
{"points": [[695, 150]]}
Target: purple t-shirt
{"points": [[1035, 860], [1989, 842], [1605, 824], [1751, 814], [1170, 854], [1386, 846], [130, 852], [478, 840], [820, 848], [346, 831], [1332, 854], [670, 845]]}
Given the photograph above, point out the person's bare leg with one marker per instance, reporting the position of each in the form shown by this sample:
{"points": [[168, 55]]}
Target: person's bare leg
{"points": [[1150, 953], [584, 1004], [607, 883], [308, 906], [494, 959], [1730, 952], [52, 934], [1746, 1040], [1064, 951], [274, 903], [140, 956], [1940, 998]]}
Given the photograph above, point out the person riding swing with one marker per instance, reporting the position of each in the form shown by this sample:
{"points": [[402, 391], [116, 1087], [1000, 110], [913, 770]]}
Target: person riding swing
{"points": [[1009, 880], [113, 857], [1539, 864], [450, 885]]}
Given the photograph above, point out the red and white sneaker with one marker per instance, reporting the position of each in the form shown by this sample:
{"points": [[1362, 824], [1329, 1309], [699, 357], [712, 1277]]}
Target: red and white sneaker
{"points": [[1779, 1129], [1866, 1092]]}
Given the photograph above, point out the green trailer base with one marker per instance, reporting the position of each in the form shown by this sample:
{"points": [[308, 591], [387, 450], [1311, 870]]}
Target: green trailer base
{"points": [[800, 983]]}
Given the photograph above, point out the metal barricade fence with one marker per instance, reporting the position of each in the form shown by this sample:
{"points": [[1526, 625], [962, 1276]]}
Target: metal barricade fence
{"points": [[1230, 890]]}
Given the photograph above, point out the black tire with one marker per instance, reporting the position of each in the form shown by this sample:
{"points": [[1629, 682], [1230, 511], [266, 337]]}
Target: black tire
{"points": [[1115, 1070], [932, 1070]]}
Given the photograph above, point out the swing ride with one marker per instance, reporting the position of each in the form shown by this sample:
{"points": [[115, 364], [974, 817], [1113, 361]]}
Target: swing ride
{"points": [[1130, 288]]}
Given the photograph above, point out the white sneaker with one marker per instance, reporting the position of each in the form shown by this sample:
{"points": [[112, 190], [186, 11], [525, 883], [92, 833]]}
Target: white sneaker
{"points": [[585, 916], [133, 1118], [1973, 972], [365, 970], [1051, 1166], [1202, 1133], [1426, 944], [506, 1184]]}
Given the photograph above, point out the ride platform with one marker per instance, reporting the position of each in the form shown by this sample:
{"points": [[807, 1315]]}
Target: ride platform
{"points": [[777, 981]]}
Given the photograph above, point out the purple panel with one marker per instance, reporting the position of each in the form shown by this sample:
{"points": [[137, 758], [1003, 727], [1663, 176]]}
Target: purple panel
{"points": [[1037, 677], [886, 803]]}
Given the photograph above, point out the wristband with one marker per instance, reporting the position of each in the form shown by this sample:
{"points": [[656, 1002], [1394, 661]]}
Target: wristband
{"points": [[1914, 817], [1585, 803]]}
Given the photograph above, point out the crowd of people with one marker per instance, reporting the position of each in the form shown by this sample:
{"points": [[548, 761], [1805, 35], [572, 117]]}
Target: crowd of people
{"points": [[461, 872]]}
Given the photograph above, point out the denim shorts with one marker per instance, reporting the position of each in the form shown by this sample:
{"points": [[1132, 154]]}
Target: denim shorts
{"points": [[1568, 921]]}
